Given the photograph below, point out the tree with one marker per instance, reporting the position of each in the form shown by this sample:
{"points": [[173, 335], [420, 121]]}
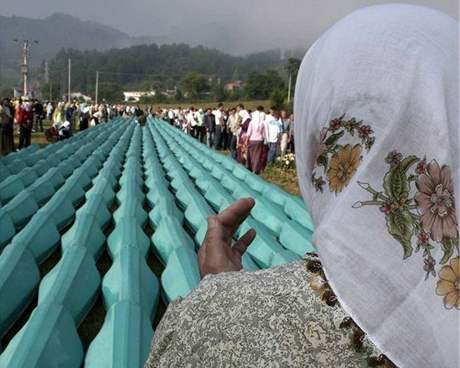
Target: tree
{"points": [[260, 86], [110, 92], [194, 85], [179, 97], [218, 92], [278, 98], [292, 67], [6, 92]]}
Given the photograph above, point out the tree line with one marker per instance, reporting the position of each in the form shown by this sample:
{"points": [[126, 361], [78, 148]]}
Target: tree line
{"points": [[193, 73]]}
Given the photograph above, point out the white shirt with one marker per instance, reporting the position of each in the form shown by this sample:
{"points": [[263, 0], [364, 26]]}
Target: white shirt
{"points": [[218, 115], [274, 129], [191, 118], [244, 116]]}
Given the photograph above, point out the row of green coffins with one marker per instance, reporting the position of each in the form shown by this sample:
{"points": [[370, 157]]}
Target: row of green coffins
{"points": [[130, 289], [67, 292], [23, 193]]}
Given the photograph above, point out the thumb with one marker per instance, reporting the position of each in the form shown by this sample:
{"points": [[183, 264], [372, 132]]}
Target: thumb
{"points": [[244, 242]]}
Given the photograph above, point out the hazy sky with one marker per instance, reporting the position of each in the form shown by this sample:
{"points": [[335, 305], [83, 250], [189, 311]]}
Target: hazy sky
{"points": [[243, 25]]}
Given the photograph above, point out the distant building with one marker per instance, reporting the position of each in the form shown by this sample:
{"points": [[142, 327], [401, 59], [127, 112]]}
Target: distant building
{"points": [[78, 96], [136, 96], [234, 86]]}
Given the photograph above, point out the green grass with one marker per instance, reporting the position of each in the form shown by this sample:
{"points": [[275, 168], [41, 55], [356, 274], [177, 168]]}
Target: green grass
{"points": [[37, 137], [287, 180]]}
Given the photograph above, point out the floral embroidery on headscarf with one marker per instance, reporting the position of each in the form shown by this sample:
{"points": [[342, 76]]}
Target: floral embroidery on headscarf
{"points": [[337, 162], [418, 203]]}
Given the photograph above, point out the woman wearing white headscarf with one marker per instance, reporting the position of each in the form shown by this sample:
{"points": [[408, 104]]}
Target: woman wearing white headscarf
{"points": [[377, 143]]}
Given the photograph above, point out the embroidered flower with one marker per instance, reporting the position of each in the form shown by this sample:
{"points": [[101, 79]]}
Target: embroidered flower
{"points": [[421, 167], [343, 166], [364, 131], [393, 158], [418, 202], [318, 183], [339, 152], [428, 266], [448, 285], [334, 125], [435, 199], [369, 143]]}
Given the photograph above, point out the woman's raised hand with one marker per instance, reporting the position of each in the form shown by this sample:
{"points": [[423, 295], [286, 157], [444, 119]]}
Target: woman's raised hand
{"points": [[217, 254]]}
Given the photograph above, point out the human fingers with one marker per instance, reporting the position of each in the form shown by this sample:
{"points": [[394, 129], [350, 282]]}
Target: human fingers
{"points": [[244, 242], [232, 217]]}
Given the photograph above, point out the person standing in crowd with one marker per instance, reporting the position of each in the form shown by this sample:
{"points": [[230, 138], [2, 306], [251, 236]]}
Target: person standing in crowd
{"points": [[210, 125], [274, 130], [68, 112], [291, 140], [49, 111], [233, 127], [171, 116], [284, 133], [219, 121], [6, 127], [58, 115], [256, 136], [191, 118], [25, 118], [242, 142], [38, 116], [84, 117], [224, 142], [200, 126]]}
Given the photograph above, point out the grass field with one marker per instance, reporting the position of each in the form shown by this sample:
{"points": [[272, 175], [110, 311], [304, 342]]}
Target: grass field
{"points": [[287, 180]]}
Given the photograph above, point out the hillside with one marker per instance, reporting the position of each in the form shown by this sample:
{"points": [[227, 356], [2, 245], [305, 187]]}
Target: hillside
{"points": [[54, 33], [145, 66]]}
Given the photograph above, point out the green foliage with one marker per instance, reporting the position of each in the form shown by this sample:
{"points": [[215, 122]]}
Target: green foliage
{"points": [[401, 226], [161, 67], [277, 99], [111, 92], [194, 85], [261, 86], [292, 68], [179, 96], [218, 93], [395, 182], [6, 92]]}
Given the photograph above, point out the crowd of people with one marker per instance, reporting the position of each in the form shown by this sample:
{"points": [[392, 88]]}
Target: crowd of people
{"points": [[24, 116], [254, 138]]}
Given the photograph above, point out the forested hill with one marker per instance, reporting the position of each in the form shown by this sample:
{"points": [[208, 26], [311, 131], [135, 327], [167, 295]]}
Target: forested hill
{"points": [[152, 65], [54, 33]]}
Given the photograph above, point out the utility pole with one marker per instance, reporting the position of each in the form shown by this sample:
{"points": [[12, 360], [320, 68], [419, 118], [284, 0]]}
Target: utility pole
{"points": [[289, 87], [26, 44], [97, 87], [70, 79], [47, 75]]}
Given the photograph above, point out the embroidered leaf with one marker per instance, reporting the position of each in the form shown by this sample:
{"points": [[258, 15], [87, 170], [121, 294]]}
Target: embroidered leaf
{"points": [[334, 138], [408, 162], [322, 160], [400, 226], [395, 182], [448, 246]]}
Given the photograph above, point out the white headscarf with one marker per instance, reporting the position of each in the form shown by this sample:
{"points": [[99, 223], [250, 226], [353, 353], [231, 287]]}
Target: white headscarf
{"points": [[377, 139]]}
